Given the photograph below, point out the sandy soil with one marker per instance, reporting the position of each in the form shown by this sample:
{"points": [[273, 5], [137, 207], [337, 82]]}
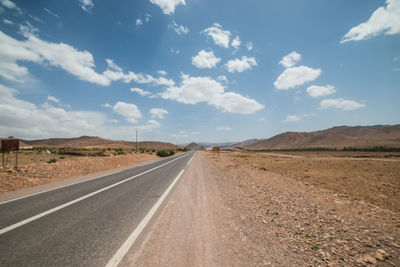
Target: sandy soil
{"points": [[225, 214], [40, 172]]}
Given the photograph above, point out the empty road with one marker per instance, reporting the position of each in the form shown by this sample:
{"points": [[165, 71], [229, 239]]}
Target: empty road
{"points": [[91, 223]]}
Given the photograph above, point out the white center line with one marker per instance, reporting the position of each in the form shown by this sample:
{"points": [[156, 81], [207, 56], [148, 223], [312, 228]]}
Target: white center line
{"points": [[16, 225], [119, 255]]}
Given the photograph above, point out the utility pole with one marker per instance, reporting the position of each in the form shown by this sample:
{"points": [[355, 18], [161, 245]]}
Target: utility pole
{"points": [[136, 141]]}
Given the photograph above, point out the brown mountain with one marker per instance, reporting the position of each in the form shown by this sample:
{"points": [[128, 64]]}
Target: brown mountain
{"points": [[194, 146], [96, 142], [336, 137]]}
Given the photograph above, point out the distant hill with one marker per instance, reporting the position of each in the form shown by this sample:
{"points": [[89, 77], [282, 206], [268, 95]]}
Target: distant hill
{"points": [[96, 142], [246, 142], [194, 146], [336, 137], [229, 144], [208, 145]]}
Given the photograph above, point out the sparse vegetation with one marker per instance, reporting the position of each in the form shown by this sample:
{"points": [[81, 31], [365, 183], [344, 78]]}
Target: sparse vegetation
{"points": [[165, 152], [327, 149], [52, 160]]}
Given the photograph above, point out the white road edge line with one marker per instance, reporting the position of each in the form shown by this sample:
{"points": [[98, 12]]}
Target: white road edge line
{"points": [[44, 191], [190, 160], [119, 255], [16, 225]]}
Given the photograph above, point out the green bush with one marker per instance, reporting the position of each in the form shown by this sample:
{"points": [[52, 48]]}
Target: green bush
{"points": [[165, 152], [52, 160]]}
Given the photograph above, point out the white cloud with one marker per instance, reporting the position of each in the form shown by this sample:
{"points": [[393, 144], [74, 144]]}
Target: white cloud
{"points": [[36, 19], [115, 73], [249, 46], [26, 120], [11, 5], [8, 22], [158, 113], [181, 134], [223, 79], [86, 5], [179, 29], [175, 51], [236, 103], [296, 76], [130, 111], [193, 90], [111, 65], [317, 91], [8, 4], [162, 72], [384, 20], [33, 49], [139, 20], [151, 124], [205, 60], [219, 36], [141, 92], [53, 99], [292, 118], [240, 65], [340, 103], [236, 42], [57, 101], [290, 60], [168, 6], [224, 128], [106, 105], [163, 81], [51, 13]]}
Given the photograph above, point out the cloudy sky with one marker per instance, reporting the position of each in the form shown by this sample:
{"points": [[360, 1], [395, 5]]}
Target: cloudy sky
{"points": [[196, 70]]}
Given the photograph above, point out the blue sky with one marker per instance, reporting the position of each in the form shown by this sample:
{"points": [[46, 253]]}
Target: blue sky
{"points": [[196, 70]]}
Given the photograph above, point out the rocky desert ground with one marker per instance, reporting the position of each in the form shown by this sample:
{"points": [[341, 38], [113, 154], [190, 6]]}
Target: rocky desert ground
{"points": [[338, 209], [271, 209]]}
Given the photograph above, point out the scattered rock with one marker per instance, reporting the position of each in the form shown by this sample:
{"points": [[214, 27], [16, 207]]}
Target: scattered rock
{"points": [[381, 255]]}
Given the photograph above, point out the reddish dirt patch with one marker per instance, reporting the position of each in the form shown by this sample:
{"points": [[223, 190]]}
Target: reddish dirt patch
{"points": [[42, 172]]}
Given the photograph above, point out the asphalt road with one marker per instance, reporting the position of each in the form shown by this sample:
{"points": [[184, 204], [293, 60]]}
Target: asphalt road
{"points": [[83, 224]]}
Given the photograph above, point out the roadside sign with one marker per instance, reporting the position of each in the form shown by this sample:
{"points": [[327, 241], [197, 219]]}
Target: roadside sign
{"points": [[9, 144], [216, 149]]}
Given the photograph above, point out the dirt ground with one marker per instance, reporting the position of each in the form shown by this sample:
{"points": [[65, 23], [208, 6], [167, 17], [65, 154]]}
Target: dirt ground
{"points": [[35, 169], [226, 214], [370, 177]]}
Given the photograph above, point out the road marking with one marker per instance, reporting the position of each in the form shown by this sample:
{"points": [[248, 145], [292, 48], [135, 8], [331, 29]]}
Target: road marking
{"points": [[119, 255], [191, 159], [44, 191], [16, 225]]}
